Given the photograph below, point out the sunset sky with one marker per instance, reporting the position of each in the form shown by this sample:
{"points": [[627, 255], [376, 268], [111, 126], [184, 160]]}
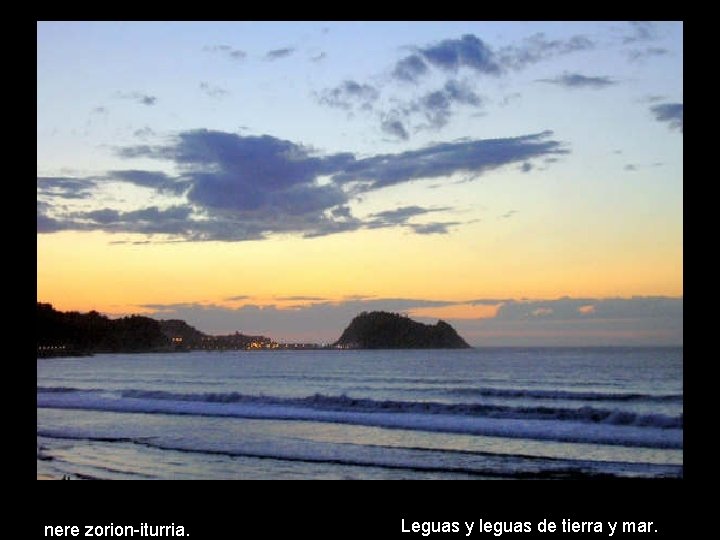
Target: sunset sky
{"points": [[522, 181]]}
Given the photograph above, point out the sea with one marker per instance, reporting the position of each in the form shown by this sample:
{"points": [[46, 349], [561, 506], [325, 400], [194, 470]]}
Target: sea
{"points": [[482, 413]]}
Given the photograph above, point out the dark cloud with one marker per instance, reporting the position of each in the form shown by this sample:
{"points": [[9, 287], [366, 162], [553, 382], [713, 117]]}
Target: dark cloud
{"points": [[212, 91], [65, 187], [437, 106], [444, 159], [230, 52], [650, 307], [319, 57], [509, 214], [638, 54], [395, 128], [566, 321], [526, 167], [46, 224], [341, 212], [468, 51], [449, 55], [472, 53], [141, 99], [99, 110], [239, 297], [151, 179], [247, 187], [630, 167], [576, 80], [410, 68], [349, 94], [152, 220], [671, 113], [279, 53]]}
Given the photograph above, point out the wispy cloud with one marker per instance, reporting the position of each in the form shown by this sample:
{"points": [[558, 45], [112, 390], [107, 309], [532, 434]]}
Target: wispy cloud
{"points": [[138, 97], [636, 55], [538, 48], [227, 50], [577, 80], [277, 54], [640, 31], [212, 90], [401, 114], [348, 95]]}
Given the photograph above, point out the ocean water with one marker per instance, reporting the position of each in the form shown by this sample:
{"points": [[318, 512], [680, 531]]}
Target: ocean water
{"points": [[511, 413]]}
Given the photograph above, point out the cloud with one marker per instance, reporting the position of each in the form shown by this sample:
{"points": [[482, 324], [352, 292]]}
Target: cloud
{"points": [[279, 53], [641, 31], [432, 228], [319, 57], [671, 113], [449, 55], [213, 91], [247, 187], [444, 159], [410, 68], [47, 225], [437, 106], [230, 52], [400, 217], [576, 80], [476, 56], [141, 99], [395, 128], [65, 187], [446, 58], [538, 47], [649, 307], [349, 94], [156, 180], [301, 298], [564, 321], [630, 167], [143, 133], [151, 220], [636, 55]]}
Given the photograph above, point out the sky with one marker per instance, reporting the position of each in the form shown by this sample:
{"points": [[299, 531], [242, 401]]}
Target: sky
{"points": [[519, 180]]}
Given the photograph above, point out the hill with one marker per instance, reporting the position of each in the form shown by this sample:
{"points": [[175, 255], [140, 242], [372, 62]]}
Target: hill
{"points": [[383, 330], [84, 333]]}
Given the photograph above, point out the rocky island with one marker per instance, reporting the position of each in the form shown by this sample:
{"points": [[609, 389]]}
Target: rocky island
{"points": [[383, 330]]}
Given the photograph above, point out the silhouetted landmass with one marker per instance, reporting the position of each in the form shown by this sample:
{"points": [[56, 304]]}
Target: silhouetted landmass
{"points": [[60, 333], [73, 333], [383, 330], [189, 336]]}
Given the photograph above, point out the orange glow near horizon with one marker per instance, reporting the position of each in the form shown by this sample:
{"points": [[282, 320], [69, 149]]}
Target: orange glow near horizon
{"points": [[83, 271]]}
